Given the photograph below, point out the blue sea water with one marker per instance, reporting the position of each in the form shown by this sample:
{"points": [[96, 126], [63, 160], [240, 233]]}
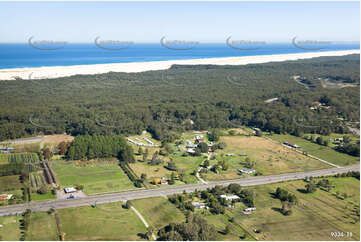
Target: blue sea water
{"points": [[25, 55]]}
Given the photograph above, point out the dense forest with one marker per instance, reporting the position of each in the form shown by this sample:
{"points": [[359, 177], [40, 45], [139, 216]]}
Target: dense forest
{"points": [[97, 146], [162, 101]]}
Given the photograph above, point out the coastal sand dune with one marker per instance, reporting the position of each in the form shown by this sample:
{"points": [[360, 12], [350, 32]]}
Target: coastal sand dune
{"points": [[62, 71]]}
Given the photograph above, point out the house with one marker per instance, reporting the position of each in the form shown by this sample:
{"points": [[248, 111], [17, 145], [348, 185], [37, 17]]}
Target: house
{"points": [[198, 136], [150, 142], [230, 197], [197, 141], [6, 149], [69, 190], [164, 181], [249, 209], [199, 205], [190, 151], [4, 197], [192, 146], [291, 145], [246, 171]]}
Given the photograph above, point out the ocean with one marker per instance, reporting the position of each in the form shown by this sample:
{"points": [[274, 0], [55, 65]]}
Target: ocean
{"points": [[27, 55]]}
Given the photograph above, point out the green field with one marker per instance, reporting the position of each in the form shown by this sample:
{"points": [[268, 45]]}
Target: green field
{"points": [[37, 197], [220, 222], [322, 152], [42, 227], [27, 158], [314, 218], [10, 183], [158, 211], [106, 222], [4, 158], [187, 164], [269, 157], [96, 178], [10, 229]]}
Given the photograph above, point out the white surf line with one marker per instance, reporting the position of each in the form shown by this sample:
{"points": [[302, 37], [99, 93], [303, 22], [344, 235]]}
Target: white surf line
{"points": [[143, 220], [133, 67]]}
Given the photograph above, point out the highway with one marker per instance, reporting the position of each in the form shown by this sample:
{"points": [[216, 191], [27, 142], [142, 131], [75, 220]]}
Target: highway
{"points": [[147, 193]]}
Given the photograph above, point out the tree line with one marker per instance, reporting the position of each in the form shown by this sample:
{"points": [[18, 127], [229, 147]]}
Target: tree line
{"points": [[161, 101]]}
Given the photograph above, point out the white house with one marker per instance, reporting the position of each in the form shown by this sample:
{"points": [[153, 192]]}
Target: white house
{"points": [[249, 209], [199, 205], [246, 171], [229, 197], [69, 190]]}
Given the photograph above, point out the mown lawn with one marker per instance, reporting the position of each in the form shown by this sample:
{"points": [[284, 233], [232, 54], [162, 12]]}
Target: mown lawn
{"points": [[38, 197], [10, 229], [220, 222], [42, 227], [270, 158], [106, 222], [158, 211], [95, 178], [314, 218], [320, 151]]}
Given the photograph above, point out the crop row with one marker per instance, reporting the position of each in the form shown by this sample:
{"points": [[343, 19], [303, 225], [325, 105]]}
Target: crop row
{"points": [[37, 180], [25, 158]]}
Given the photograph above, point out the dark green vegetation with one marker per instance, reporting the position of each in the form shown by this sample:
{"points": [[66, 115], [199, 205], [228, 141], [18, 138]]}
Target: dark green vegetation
{"points": [[24, 158], [194, 229], [96, 146], [160, 101]]}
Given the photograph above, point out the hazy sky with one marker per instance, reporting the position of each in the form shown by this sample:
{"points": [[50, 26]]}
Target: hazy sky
{"points": [[194, 21]]}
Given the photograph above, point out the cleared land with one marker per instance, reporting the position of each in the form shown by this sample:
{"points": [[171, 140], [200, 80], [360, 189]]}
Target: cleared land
{"points": [[97, 177], [10, 229], [322, 152], [10, 183], [42, 227], [270, 157], [158, 211], [186, 164], [106, 222], [220, 221], [314, 218], [52, 141]]}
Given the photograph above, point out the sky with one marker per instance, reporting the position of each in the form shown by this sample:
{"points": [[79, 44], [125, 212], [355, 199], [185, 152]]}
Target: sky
{"points": [[205, 22]]}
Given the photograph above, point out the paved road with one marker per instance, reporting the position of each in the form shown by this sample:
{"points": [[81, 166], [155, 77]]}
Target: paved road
{"points": [[143, 193]]}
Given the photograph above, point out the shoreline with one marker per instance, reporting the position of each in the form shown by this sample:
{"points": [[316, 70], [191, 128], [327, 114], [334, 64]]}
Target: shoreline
{"points": [[49, 72]]}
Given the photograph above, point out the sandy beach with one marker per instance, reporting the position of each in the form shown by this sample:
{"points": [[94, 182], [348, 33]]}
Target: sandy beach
{"points": [[62, 71]]}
